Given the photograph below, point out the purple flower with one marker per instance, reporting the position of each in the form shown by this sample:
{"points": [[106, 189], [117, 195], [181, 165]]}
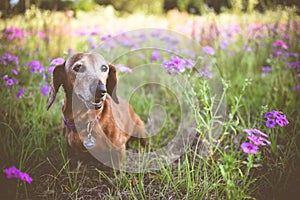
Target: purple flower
{"points": [[5, 77], [13, 172], [294, 64], [281, 44], [275, 116], [124, 69], [8, 59], [258, 140], [205, 73], [177, 64], [51, 69], [296, 88], [223, 44], [155, 56], [45, 90], [270, 123], [257, 137], [208, 50], [54, 62], [269, 114], [9, 82], [36, 66], [92, 43], [249, 148], [20, 93], [70, 50], [103, 38], [266, 69], [15, 72], [57, 61], [25, 177]]}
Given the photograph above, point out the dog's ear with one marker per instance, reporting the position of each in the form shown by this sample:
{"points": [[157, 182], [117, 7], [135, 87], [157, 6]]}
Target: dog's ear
{"points": [[111, 83], [58, 76]]}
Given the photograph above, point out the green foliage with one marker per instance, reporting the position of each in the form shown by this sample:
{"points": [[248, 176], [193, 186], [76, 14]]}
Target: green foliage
{"points": [[237, 6], [84, 5], [182, 5]]}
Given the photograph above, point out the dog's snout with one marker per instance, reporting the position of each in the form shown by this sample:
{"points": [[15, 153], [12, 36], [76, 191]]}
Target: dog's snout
{"points": [[99, 89]]}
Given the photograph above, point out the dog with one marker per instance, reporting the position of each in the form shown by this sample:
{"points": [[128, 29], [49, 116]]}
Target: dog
{"points": [[95, 119]]}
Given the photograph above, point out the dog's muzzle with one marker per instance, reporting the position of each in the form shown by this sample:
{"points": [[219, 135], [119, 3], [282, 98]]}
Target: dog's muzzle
{"points": [[99, 90], [99, 93]]}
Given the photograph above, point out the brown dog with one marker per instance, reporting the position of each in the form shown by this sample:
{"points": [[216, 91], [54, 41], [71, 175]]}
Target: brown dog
{"points": [[94, 120]]}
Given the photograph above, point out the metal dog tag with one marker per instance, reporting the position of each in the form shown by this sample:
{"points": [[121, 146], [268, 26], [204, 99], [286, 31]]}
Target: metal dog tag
{"points": [[89, 142]]}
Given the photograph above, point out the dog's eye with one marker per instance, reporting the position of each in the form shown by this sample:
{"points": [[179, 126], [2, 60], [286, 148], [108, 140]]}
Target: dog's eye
{"points": [[79, 68], [104, 68]]}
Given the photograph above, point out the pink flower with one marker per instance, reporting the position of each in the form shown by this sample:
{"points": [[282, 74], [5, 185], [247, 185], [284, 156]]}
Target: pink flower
{"points": [[257, 137], [41, 34], [12, 33], [13, 172], [249, 148], [177, 64], [57, 61], [281, 44]]}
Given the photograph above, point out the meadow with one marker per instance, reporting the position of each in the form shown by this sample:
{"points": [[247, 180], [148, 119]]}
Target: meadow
{"points": [[230, 83]]}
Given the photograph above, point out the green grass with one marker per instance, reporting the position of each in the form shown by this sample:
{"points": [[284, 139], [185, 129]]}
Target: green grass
{"points": [[212, 167]]}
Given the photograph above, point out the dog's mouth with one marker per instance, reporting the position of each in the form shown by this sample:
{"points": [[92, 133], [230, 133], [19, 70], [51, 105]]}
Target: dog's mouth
{"points": [[93, 105]]}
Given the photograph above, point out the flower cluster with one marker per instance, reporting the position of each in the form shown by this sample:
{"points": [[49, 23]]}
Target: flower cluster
{"points": [[45, 90], [205, 73], [8, 59], [275, 117], [257, 138], [13, 172], [35, 66], [9, 81], [280, 44], [12, 33], [280, 49], [177, 65]]}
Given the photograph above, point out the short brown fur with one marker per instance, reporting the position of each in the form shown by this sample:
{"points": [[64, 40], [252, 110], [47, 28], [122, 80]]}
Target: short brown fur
{"points": [[116, 120]]}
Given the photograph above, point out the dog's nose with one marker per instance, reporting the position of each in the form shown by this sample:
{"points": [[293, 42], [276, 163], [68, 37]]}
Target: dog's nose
{"points": [[99, 90]]}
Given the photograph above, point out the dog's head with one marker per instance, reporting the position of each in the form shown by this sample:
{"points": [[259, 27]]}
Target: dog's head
{"points": [[88, 76]]}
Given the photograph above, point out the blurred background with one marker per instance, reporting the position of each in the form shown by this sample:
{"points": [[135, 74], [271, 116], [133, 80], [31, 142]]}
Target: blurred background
{"points": [[9, 8]]}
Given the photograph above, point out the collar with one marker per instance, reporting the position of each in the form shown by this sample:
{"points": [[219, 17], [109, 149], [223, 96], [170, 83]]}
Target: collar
{"points": [[72, 126], [69, 125]]}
